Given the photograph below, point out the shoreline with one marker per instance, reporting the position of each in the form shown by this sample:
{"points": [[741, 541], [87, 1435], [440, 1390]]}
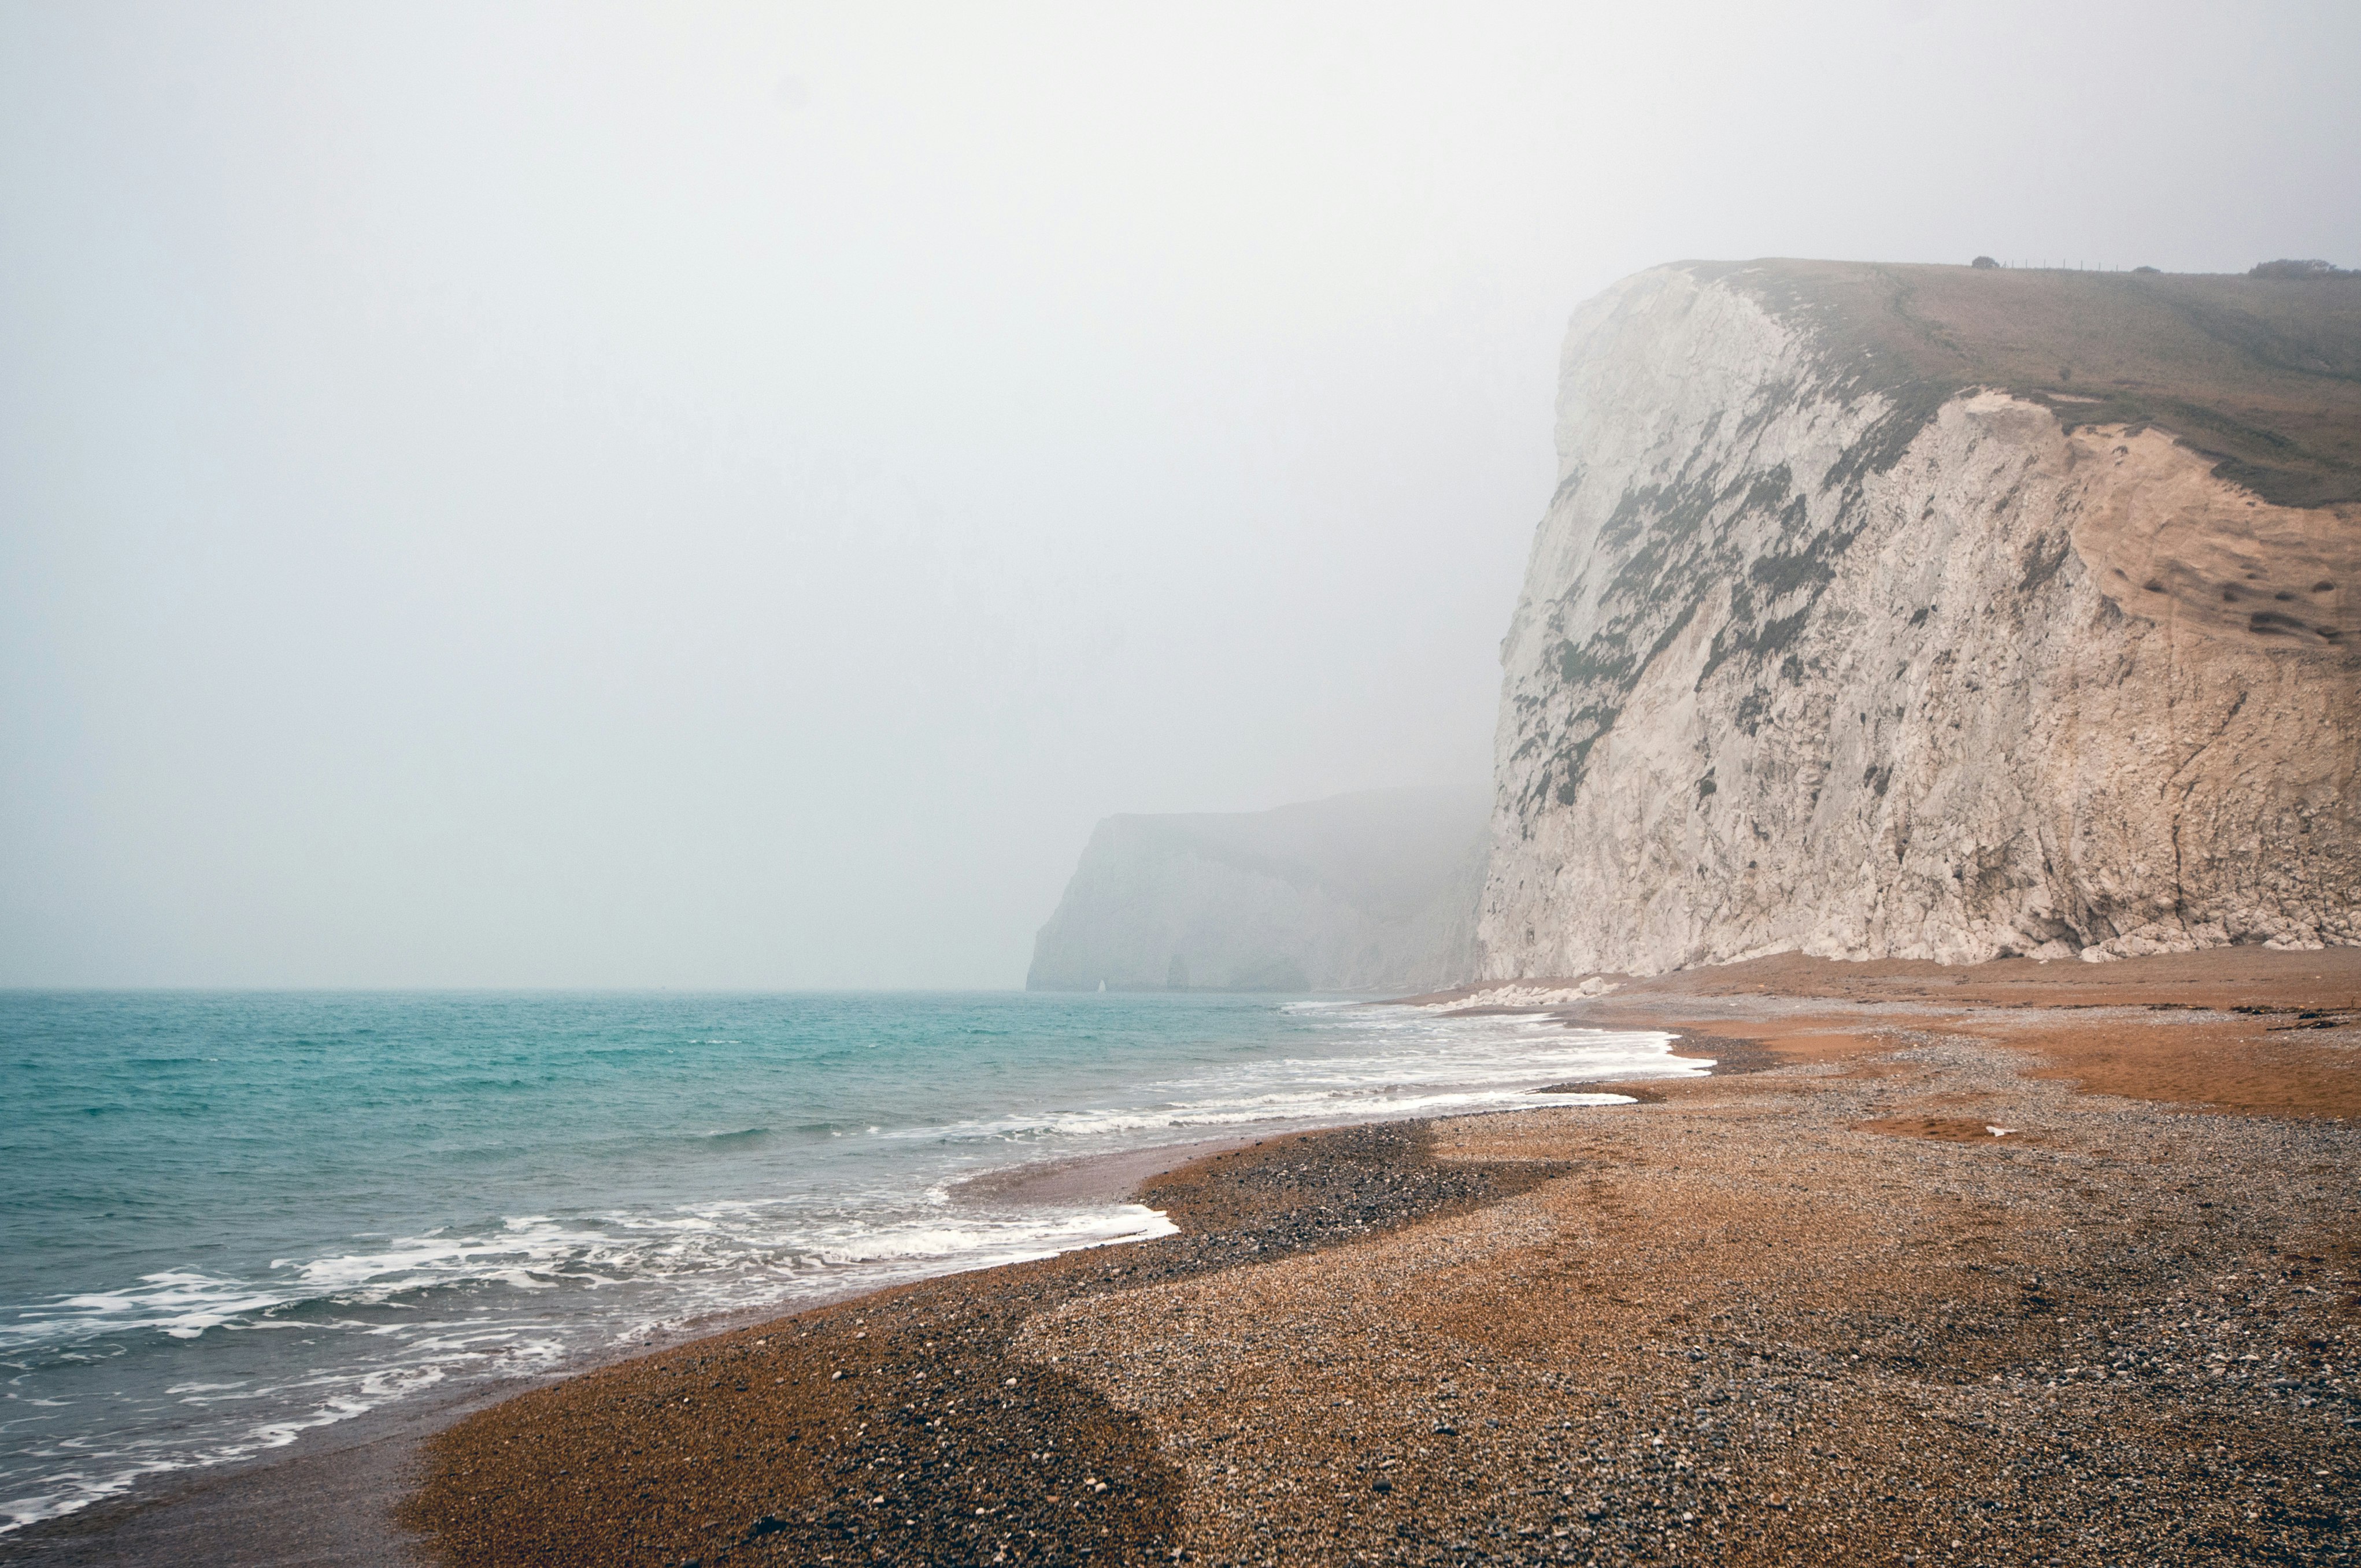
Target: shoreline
{"points": [[1077, 1180], [928, 1383], [332, 1485], [1816, 1312], [328, 1497], [1779, 1029]]}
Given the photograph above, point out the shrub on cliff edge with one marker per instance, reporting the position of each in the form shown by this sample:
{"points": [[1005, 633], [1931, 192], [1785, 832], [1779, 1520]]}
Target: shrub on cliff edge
{"points": [[2314, 268]]}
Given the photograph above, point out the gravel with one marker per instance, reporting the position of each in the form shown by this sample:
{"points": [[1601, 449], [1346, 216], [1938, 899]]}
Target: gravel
{"points": [[1806, 1314]]}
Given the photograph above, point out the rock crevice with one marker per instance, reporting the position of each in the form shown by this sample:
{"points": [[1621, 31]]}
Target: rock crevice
{"points": [[1824, 648]]}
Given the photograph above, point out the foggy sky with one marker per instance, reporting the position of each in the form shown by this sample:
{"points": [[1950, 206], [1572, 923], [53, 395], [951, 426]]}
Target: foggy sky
{"points": [[728, 496]]}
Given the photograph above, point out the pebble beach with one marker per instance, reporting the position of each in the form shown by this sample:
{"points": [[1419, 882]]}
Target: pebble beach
{"points": [[1896, 1284], [2016, 1264]]}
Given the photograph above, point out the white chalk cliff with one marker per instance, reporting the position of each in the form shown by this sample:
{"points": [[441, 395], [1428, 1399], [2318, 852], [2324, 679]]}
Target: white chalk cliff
{"points": [[1905, 613], [1368, 892]]}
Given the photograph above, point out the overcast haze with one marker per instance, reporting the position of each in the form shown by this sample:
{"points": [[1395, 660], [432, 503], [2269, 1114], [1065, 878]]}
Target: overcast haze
{"points": [[728, 496]]}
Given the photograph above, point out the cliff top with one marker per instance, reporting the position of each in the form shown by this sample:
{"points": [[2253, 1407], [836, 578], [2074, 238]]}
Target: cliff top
{"points": [[2261, 373]]}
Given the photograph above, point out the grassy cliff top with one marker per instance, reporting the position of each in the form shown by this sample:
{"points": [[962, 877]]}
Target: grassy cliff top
{"points": [[2263, 374]]}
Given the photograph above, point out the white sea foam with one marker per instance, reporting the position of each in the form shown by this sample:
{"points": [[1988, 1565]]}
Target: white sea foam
{"points": [[415, 1311], [1526, 996], [180, 1302], [1424, 1065], [761, 1253]]}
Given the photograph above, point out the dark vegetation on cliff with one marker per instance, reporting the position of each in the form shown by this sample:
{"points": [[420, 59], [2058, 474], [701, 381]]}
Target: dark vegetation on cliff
{"points": [[1820, 647], [2262, 374]]}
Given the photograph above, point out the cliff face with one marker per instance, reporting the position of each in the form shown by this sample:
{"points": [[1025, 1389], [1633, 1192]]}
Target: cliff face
{"points": [[1364, 892], [1877, 617]]}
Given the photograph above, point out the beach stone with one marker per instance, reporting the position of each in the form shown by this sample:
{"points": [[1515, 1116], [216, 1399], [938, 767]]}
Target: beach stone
{"points": [[1762, 1328], [1774, 1302]]}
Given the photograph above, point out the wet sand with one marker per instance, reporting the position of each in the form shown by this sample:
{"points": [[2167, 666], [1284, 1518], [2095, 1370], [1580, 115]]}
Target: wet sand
{"points": [[1091, 1179], [1812, 1309], [325, 1502], [333, 1498], [913, 1425]]}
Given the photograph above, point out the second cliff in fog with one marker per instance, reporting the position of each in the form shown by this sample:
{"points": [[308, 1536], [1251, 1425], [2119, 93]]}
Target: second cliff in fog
{"points": [[1373, 890], [1922, 612]]}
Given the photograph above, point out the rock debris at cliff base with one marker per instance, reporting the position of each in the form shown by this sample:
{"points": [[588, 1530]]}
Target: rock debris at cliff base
{"points": [[1749, 1323]]}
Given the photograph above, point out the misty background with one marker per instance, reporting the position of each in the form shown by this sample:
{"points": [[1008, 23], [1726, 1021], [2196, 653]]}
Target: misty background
{"points": [[728, 496]]}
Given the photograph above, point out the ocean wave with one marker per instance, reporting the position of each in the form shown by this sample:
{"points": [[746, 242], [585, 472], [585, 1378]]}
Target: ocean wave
{"points": [[736, 1256], [94, 1472], [722, 1241], [1526, 996], [733, 1139], [1445, 1066], [1007, 1239], [758, 1203]]}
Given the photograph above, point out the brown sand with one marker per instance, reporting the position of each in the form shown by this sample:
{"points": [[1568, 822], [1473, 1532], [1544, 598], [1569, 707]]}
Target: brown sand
{"points": [[908, 1427], [323, 1507], [1806, 1310], [2233, 1029], [1809, 1309], [1098, 1179], [1819, 1312]]}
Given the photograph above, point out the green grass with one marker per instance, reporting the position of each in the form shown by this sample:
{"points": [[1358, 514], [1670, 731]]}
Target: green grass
{"points": [[2262, 375]]}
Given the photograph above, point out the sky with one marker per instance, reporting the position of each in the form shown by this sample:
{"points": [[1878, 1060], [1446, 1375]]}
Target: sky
{"points": [[727, 496]]}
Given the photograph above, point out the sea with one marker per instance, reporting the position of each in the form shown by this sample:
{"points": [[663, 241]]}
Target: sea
{"points": [[227, 1220]]}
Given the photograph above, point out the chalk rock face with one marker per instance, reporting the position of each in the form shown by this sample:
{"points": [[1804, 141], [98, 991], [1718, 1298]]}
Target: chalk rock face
{"points": [[1827, 647], [1366, 891]]}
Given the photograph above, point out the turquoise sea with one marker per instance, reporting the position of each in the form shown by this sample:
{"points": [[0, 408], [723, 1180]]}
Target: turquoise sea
{"points": [[228, 1219]]}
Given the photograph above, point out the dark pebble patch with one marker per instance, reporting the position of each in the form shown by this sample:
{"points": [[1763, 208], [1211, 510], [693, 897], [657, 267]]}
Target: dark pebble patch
{"points": [[902, 1427]]}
